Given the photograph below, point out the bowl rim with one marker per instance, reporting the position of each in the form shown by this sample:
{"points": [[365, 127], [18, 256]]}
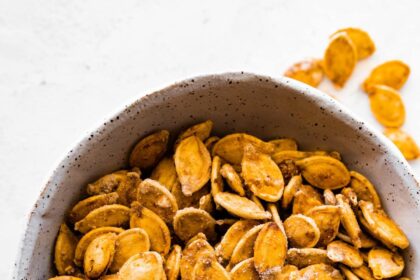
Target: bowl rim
{"points": [[312, 93]]}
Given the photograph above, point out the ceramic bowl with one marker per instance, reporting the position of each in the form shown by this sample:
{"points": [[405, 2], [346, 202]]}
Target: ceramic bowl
{"points": [[236, 102]]}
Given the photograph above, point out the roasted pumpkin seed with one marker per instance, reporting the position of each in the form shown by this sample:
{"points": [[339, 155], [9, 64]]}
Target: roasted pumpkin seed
{"points": [[327, 218], [392, 73], [349, 221], [106, 184], [348, 274], [232, 178], [308, 71], [261, 174], [155, 227], [384, 263], [324, 172], [108, 215], [99, 255], [364, 189], [206, 203], [207, 268], [382, 226], [301, 231], [364, 45], [350, 194], [165, 173], [245, 270], [340, 58], [143, 266], [173, 262], [83, 207], [270, 248], [232, 236], [363, 272], [152, 195], [404, 142], [302, 257], [190, 255], [241, 206], [200, 130], [244, 249], [192, 163], [329, 197], [190, 221], [128, 244], [339, 251], [387, 106], [128, 187], [184, 201], [149, 150], [65, 247], [88, 238], [231, 147], [320, 271], [289, 191], [305, 199]]}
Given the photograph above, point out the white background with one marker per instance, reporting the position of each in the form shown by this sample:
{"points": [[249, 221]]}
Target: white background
{"points": [[67, 65]]}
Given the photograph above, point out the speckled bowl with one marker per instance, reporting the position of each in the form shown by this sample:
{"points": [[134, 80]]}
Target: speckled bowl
{"points": [[242, 102]]}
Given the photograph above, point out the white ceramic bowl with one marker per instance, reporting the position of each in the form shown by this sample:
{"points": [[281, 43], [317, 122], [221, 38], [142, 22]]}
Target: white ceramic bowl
{"points": [[243, 102]]}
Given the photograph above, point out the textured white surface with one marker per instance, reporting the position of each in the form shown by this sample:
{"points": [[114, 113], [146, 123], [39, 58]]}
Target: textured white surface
{"points": [[67, 65]]}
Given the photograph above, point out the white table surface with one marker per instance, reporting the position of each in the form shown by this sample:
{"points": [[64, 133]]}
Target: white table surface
{"points": [[67, 65]]}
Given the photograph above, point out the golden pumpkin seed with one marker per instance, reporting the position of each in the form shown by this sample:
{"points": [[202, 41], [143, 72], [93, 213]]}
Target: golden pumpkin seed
{"points": [[206, 203], [305, 199], [384, 263], [302, 257], [165, 173], [364, 45], [348, 274], [244, 249], [363, 272], [106, 184], [155, 227], [241, 206], [210, 142], [143, 266], [84, 242], [190, 255], [329, 197], [285, 273], [289, 191], [129, 243], [200, 130], [152, 195], [350, 194], [262, 175], [320, 271], [232, 237], [115, 215], [192, 163], [327, 218], [83, 207], [339, 251], [324, 172], [231, 147], [340, 58], [301, 231], [207, 268], [349, 221], [149, 150], [128, 188], [64, 251], [364, 189], [190, 221], [382, 226], [270, 248], [99, 254], [173, 262], [232, 178], [245, 270], [284, 144], [387, 106], [404, 142], [308, 71], [184, 201], [392, 73]]}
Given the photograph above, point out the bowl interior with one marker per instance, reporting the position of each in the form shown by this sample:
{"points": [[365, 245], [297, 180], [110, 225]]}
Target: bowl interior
{"points": [[236, 102]]}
